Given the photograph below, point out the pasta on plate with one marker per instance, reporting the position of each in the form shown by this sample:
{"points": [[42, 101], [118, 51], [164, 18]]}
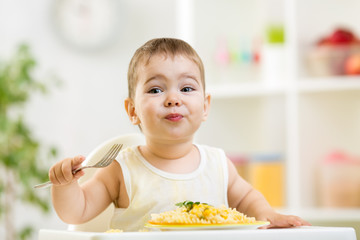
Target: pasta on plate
{"points": [[200, 213]]}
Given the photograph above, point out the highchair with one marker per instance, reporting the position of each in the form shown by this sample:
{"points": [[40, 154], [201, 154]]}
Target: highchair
{"points": [[102, 221]]}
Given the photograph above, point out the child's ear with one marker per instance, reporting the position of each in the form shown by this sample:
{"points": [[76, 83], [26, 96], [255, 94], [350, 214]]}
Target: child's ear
{"points": [[206, 106], [130, 109]]}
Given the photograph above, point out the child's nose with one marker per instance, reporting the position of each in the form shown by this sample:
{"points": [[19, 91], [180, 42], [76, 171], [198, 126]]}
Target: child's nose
{"points": [[172, 100]]}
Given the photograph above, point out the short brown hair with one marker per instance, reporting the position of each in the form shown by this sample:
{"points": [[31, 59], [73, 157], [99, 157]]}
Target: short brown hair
{"points": [[166, 46]]}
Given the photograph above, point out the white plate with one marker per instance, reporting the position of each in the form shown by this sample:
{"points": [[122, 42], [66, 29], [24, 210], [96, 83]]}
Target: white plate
{"points": [[189, 227]]}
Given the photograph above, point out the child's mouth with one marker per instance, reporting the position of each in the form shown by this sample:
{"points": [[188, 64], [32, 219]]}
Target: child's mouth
{"points": [[174, 117]]}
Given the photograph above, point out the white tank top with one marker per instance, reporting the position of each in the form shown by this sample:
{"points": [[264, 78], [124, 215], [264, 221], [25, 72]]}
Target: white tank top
{"points": [[152, 190]]}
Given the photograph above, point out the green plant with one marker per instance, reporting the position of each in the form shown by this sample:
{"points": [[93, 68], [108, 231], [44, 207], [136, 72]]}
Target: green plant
{"points": [[19, 150]]}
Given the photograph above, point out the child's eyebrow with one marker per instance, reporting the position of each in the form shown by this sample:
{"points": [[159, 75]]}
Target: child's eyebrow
{"points": [[191, 76], [182, 76], [186, 75], [152, 78]]}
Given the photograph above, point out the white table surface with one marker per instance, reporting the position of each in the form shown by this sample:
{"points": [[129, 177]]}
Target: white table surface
{"points": [[300, 233]]}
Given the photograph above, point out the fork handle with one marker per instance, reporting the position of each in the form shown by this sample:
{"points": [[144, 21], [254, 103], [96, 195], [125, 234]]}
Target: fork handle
{"points": [[79, 169], [49, 184], [44, 185]]}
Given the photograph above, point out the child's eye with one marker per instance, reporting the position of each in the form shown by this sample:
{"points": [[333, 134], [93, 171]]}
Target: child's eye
{"points": [[154, 90], [187, 89]]}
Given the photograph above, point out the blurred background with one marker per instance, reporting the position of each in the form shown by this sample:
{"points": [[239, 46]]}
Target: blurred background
{"points": [[284, 77]]}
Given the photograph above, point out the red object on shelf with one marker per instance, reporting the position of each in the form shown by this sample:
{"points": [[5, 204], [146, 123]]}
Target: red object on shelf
{"points": [[340, 157], [340, 36]]}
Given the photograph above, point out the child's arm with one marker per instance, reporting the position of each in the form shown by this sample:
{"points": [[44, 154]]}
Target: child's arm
{"points": [[246, 199], [77, 204]]}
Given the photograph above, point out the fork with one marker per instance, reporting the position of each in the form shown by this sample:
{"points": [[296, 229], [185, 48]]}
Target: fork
{"points": [[104, 162]]}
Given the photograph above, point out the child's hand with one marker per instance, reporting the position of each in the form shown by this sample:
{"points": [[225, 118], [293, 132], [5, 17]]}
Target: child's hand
{"points": [[284, 221], [61, 172]]}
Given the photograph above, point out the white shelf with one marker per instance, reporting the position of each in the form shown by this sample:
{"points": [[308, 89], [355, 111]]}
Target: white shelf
{"points": [[244, 90], [305, 85], [325, 84]]}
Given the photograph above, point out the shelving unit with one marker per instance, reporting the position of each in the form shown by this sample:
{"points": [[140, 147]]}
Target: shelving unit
{"points": [[221, 91], [292, 115], [329, 84]]}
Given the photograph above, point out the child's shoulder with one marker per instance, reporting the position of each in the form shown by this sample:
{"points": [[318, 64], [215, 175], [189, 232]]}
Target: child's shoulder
{"points": [[128, 152], [208, 147], [211, 150]]}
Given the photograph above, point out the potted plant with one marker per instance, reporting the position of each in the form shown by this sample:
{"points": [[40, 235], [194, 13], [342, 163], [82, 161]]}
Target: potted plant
{"points": [[20, 156]]}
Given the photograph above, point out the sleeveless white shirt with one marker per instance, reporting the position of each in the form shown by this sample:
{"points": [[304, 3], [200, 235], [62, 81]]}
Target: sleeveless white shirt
{"points": [[152, 190]]}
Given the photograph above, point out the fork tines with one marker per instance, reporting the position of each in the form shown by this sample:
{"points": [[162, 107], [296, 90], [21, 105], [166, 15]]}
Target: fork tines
{"points": [[110, 155]]}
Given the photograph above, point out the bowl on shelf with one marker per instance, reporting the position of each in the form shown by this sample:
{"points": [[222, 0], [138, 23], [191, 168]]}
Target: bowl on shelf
{"points": [[324, 61], [334, 55]]}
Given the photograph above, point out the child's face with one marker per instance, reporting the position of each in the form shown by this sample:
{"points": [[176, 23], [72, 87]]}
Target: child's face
{"points": [[170, 102]]}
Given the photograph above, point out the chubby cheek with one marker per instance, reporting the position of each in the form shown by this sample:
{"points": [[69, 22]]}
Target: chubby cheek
{"points": [[198, 109], [145, 111]]}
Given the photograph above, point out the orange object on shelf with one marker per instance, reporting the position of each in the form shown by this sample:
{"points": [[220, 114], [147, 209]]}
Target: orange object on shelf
{"points": [[266, 174]]}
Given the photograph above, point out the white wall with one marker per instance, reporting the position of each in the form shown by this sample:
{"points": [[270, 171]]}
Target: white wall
{"points": [[88, 108]]}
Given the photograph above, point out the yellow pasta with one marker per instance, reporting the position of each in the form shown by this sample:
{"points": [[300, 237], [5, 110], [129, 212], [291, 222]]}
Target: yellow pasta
{"points": [[200, 213]]}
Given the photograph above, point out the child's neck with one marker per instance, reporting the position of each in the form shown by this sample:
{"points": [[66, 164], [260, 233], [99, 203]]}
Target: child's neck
{"points": [[169, 151], [180, 157]]}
